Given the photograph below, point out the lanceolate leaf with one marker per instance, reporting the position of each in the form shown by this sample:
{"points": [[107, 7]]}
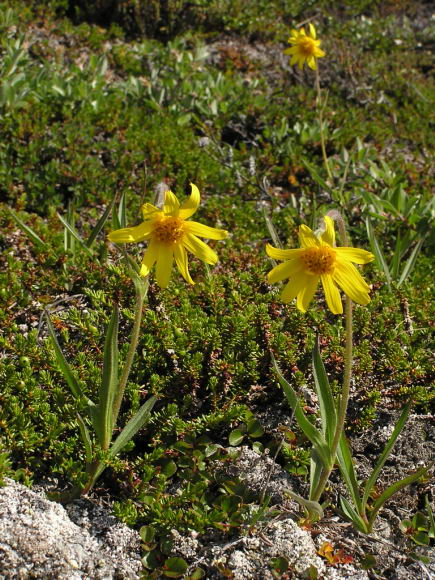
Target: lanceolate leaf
{"points": [[348, 471], [109, 382], [384, 456], [84, 432], [326, 400], [379, 256], [75, 235], [354, 517], [28, 230], [308, 428], [410, 263], [100, 224], [313, 507], [136, 423]]}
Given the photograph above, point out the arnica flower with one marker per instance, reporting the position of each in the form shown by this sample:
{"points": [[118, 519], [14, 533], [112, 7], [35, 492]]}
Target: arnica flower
{"points": [[305, 47], [319, 259], [170, 235]]}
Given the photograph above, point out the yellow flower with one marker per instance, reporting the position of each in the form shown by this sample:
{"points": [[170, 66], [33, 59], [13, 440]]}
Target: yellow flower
{"points": [[319, 259], [305, 47], [170, 235]]}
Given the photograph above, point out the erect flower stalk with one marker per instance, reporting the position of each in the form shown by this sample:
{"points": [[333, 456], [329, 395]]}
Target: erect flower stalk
{"points": [[320, 107], [348, 359]]}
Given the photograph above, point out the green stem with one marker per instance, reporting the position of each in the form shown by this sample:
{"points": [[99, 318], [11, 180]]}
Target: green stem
{"points": [[320, 108], [345, 391], [130, 354]]}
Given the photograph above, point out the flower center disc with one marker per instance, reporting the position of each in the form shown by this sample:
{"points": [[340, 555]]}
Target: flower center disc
{"points": [[169, 230], [307, 46], [319, 260]]}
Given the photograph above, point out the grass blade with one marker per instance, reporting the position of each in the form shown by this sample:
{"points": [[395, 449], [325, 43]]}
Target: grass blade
{"points": [[109, 381], [75, 234], [100, 224], [136, 423], [384, 456], [410, 263], [326, 400], [379, 256], [28, 230], [350, 512]]}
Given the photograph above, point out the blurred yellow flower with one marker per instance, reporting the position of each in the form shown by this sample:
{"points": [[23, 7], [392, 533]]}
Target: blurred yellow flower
{"points": [[170, 235], [319, 259], [305, 47]]}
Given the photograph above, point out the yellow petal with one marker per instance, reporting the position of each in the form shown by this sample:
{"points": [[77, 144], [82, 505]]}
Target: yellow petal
{"points": [[180, 256], [148, 210], [312, 30], [171, 205], [307, 238], [164, 265], [352, 283], [332, 294], [311, 62], [149, 258], [306, 294], [355, 255], [127, 235], [294, 286], [318, 53], [328, 235], [285, 270], [199, 249], [205, 231], [279, 254], [191, 204]]}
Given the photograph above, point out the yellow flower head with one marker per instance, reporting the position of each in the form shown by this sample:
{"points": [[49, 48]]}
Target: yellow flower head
{"points": [[170, 235], [305, 47], [319, 259]]}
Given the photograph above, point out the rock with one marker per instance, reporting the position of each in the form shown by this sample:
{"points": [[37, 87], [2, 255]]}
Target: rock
{"points": [[250, 556], [41, 539]]}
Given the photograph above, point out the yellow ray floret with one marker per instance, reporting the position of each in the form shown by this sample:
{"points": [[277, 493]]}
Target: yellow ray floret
{"points": [[318, 259], [305, 47], [171, 236]]}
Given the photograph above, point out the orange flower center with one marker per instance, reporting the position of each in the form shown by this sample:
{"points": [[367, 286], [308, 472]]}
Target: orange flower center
{"points": [[307, 46], [319, 260], [169, 230]]}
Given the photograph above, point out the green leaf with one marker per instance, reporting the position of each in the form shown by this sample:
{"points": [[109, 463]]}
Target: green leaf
{"points": [[379, 256], [313, 507], [175, 567], [100, 224], [136, 423], [308, 428], [63, 363], [28, 230], [122, 211], [353, 516], [410, 263], [86, 438], [430, 517], [316, 468], [384, 456], [235, 437], [317, 178], [109, 382], [390, 491], [254, 428], [76, 235], [147, 533], [347, 469], [324, 393]]}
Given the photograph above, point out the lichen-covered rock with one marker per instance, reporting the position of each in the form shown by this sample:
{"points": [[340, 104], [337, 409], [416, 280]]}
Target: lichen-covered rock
{"points": [[39, 539]]}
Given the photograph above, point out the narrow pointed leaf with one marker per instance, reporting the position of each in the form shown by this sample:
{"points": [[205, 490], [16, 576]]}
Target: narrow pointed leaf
{"points": [[308, 428], [136, 423], [109, 383], [379, 256], [348, 471], [100, 224], [316, 466], [384, 456], [390, 491], [324, 393], [86, 438], [313, 507], [28, 230], [410, 263], [354, 517], [122, 211], [76, 235], [63, 363]]}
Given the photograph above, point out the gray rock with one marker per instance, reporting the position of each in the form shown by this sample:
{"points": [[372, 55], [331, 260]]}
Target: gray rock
{"points": [[39, 539]]}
